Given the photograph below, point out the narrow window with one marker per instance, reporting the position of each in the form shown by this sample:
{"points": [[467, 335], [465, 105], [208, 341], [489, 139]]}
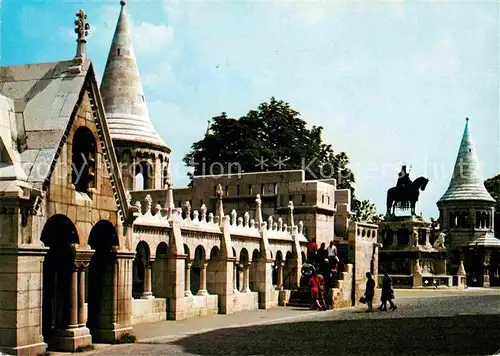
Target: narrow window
{"points": [[118, 51], [238, 189], [143, 176], [250, 190], [83, 157], [275, 188], [303, 198], [226, 188], [262, 189]]}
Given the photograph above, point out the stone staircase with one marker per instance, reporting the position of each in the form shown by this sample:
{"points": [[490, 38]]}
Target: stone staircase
{"points": [[300, 298]]}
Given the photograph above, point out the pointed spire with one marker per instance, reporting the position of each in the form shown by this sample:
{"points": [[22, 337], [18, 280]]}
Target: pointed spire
{"points": [[122, 92], [466, 182]]}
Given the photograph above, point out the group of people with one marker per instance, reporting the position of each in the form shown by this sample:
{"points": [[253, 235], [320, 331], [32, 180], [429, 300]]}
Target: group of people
{"points": [[320, 271], [387, 293]]}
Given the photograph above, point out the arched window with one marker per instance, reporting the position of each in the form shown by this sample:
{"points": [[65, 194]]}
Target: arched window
{"points": [[165, 176], [83, 159], [143, 176]]}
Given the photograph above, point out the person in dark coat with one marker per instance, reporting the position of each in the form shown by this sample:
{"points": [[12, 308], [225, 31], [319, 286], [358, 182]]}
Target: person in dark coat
{"points": [[369, 291], [387, 293]]}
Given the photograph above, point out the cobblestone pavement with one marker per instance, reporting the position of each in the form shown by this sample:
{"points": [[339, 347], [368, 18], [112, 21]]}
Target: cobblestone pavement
{"points": [[450, 325]]}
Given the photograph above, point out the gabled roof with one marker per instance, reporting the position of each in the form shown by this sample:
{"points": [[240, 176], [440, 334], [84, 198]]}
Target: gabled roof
{"points": [[44, 96], [41, 104], [122, 92], [466, 183]]}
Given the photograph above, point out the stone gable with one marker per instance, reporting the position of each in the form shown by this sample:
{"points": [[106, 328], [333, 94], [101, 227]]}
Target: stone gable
{"points": [[84, 210]]}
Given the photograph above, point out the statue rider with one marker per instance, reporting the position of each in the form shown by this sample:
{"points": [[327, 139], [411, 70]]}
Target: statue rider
{"points": [[403, 178]]}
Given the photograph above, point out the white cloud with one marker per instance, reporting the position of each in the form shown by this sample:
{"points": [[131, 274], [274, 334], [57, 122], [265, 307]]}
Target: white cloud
{"points": [[161, 74], [441, 61], [148, 37]]}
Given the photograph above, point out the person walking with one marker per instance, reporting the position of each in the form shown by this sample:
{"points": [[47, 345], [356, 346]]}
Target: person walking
{"points": [[314, 290], [387, 293], [369, 291], [321, 288]]}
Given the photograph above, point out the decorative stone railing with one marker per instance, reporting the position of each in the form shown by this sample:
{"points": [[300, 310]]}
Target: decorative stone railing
{"points": [[202, 220], [363, 232]]}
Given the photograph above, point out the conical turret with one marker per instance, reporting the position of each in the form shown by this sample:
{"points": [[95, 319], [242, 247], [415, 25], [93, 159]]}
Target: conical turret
{"points": [[466, 182], [122, 92]]}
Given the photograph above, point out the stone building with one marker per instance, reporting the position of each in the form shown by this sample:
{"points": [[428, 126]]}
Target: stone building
{"points": [[467, 213], [81, 260], [316, 202]]}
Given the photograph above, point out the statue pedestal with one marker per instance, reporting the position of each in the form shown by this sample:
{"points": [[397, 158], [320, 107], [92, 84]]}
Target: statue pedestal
{"points": [[406, 240]]}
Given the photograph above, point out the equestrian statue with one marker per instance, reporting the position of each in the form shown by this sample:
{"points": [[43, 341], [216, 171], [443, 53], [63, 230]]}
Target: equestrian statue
{"points": [[405, 194]]}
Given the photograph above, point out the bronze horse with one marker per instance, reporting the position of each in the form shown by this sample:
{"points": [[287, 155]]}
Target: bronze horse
{"points": [[405, 194]]}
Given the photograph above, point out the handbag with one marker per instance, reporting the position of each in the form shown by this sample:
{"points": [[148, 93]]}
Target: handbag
{"points": [[362, 300]]}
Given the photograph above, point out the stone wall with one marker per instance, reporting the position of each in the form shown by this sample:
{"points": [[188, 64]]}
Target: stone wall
{"points": [[342, 294], [363, 255], [314, 201], [232, 257]]}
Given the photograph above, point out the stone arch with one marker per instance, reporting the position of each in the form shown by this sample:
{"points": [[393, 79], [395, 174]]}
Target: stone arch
{"points": [[103, 239], [212, 267], [287, 269], [243, 271], [141, 280], [198, 264], [253, 270], [84, 155], [187, 252], [303, 255], [143, 176], [160, 281], [60, 235], [236, 271], [278, 264]]}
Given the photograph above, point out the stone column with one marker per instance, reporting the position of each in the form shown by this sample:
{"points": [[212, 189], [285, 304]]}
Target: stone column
{"points": [[147, 294], [73, 302], [246, 279], [427, 237], [235, 279], [134, 164], [203, 280], [187, 280], [82, 313], [486, 273], [280, 276], [395, 238]]}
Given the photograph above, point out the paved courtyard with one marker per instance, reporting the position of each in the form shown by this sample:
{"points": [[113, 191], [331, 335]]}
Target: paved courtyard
{"points": [[436, 325]]}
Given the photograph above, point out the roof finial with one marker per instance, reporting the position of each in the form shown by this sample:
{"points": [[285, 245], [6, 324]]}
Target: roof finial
{"points": [[82, 30], [209, 129], [466, 119], [123, 2]]}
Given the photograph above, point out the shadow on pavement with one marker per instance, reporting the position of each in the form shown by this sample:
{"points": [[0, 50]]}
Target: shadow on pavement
{"points": [[458, 335]]}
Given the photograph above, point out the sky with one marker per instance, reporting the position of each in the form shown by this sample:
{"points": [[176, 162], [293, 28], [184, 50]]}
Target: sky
{"points": [[390, 82]]}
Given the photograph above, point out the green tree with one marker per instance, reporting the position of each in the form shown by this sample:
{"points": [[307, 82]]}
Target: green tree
{"points": [[273, 137], [493, 187], [364, 211]]}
